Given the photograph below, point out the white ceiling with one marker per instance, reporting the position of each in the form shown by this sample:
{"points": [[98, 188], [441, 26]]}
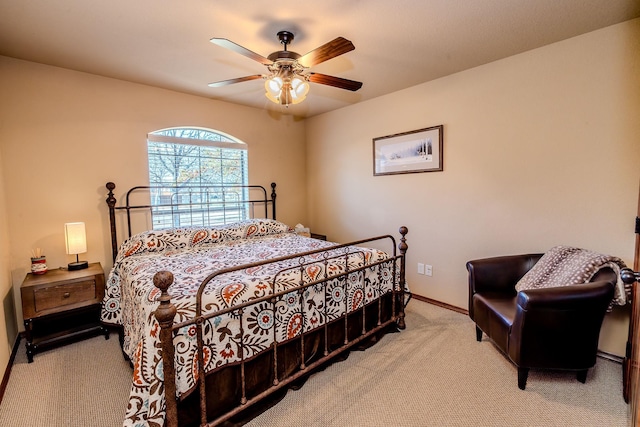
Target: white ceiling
{"points": [[399, 44]]}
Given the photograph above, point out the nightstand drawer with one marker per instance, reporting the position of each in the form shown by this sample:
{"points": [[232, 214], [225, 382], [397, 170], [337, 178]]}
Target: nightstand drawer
{"points": [[65, 294]]}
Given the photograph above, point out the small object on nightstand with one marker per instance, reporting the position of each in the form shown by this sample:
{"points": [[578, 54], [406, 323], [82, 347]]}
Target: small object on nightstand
{"points": [[62, 306], [38, 262], [39, 265]]}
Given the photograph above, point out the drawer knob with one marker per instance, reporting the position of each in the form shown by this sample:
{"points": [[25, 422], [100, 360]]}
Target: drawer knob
{"points": [[66, 295]]}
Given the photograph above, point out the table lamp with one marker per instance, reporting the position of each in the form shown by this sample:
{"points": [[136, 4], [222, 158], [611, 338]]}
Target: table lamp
{"points": [[76, 243]]}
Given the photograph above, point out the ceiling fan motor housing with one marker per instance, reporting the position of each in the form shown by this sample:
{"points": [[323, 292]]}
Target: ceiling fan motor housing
{"points": [[283, 55]]}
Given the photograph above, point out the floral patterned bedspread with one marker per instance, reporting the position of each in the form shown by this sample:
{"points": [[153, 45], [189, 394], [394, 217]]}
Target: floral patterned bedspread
{"points": [[191, 254]]}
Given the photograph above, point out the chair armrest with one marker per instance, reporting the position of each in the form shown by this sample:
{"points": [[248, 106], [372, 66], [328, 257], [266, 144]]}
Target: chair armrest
{"points": [[499, 274], [559, 328], [572, 297]]}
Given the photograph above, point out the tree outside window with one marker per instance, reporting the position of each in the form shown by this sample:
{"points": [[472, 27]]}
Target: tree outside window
{"points": [[193, 173]]}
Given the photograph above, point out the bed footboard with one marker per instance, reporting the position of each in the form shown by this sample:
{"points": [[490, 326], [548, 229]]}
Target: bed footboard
{"points": [[368, 319]]}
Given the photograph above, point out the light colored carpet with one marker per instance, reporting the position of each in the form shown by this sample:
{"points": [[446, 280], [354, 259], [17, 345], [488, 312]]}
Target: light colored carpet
{"points": [[84, 384], [432, 374]]}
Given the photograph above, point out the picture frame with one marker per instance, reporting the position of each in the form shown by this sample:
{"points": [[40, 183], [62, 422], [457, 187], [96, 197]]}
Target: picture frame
{"points": [[408, 152]]}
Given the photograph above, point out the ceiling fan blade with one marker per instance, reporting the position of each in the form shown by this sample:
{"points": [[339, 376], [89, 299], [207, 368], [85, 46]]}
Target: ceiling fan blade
{"points": [[236, 80], [335, 81], [325, 52], [228, 44]]}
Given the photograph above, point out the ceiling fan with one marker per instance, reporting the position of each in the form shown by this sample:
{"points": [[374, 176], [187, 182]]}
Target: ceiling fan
{"points": [[288, 76]]}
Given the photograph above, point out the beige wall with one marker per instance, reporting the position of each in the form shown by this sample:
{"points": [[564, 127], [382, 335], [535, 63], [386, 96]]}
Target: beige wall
{"points": [[64, 134], [540, 149]]}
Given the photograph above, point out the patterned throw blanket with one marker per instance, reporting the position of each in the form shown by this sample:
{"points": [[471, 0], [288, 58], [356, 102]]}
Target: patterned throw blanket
{"points": [[566, 265]]}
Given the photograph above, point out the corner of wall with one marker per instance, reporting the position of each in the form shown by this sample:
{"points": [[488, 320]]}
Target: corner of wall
{"points": [[8, 322]]}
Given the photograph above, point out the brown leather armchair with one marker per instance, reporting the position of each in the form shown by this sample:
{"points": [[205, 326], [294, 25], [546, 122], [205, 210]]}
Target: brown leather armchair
{"points": [[552, 328]]}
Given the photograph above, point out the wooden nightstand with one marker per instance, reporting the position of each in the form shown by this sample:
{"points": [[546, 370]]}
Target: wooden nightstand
{"points": [[61, 306]]}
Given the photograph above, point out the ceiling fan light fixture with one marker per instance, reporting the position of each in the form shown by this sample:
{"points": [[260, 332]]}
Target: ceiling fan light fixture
{"points": [[299, 88], [273, 86], [285, 96], [286, 91]]}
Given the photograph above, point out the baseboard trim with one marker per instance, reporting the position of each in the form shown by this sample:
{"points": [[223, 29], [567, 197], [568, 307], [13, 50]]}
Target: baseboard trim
{"points": [[611, 357], [7, 371], [440, 304]]}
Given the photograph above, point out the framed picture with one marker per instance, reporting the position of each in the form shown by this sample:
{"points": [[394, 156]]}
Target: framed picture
{"points": [[408, 152]]}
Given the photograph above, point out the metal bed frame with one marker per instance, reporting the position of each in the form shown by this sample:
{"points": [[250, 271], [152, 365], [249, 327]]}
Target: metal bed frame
{"points": [[359, 327]]}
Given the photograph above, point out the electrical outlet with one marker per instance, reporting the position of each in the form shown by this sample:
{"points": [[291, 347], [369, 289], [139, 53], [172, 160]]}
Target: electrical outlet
{"points": [[428, 270], [420, 268]]}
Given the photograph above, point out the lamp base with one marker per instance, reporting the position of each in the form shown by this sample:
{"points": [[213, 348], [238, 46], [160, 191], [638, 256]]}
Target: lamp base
{"points": [[78, 265]]}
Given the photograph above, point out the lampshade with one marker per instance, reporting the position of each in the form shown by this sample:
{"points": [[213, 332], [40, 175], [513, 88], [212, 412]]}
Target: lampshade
{"points": [[75, 238], [76, 243], [274, 88], [299, 89], [286, 90]]}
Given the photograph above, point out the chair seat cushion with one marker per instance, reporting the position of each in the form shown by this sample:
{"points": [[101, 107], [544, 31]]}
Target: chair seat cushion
{"points": [[494, 313]]}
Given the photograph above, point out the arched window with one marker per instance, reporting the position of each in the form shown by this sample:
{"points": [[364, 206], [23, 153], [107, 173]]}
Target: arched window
{"points": [[184, 160]]}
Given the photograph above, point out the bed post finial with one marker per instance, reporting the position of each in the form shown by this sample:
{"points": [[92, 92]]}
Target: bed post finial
{"points": [[165, 314], [273, 200], [402, 246], [111, 202], [403, 241]]}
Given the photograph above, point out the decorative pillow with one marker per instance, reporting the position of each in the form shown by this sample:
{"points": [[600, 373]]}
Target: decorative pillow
{"points": [[190, 237], [566, 265]]}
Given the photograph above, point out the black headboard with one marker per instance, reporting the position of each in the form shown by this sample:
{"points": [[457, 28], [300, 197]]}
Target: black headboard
{"points": [[192, 205]]}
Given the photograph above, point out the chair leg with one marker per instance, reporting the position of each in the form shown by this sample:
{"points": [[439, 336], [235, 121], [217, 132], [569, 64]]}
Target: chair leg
{"points": [[523, 373], [582, 376], [478, 334]]}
